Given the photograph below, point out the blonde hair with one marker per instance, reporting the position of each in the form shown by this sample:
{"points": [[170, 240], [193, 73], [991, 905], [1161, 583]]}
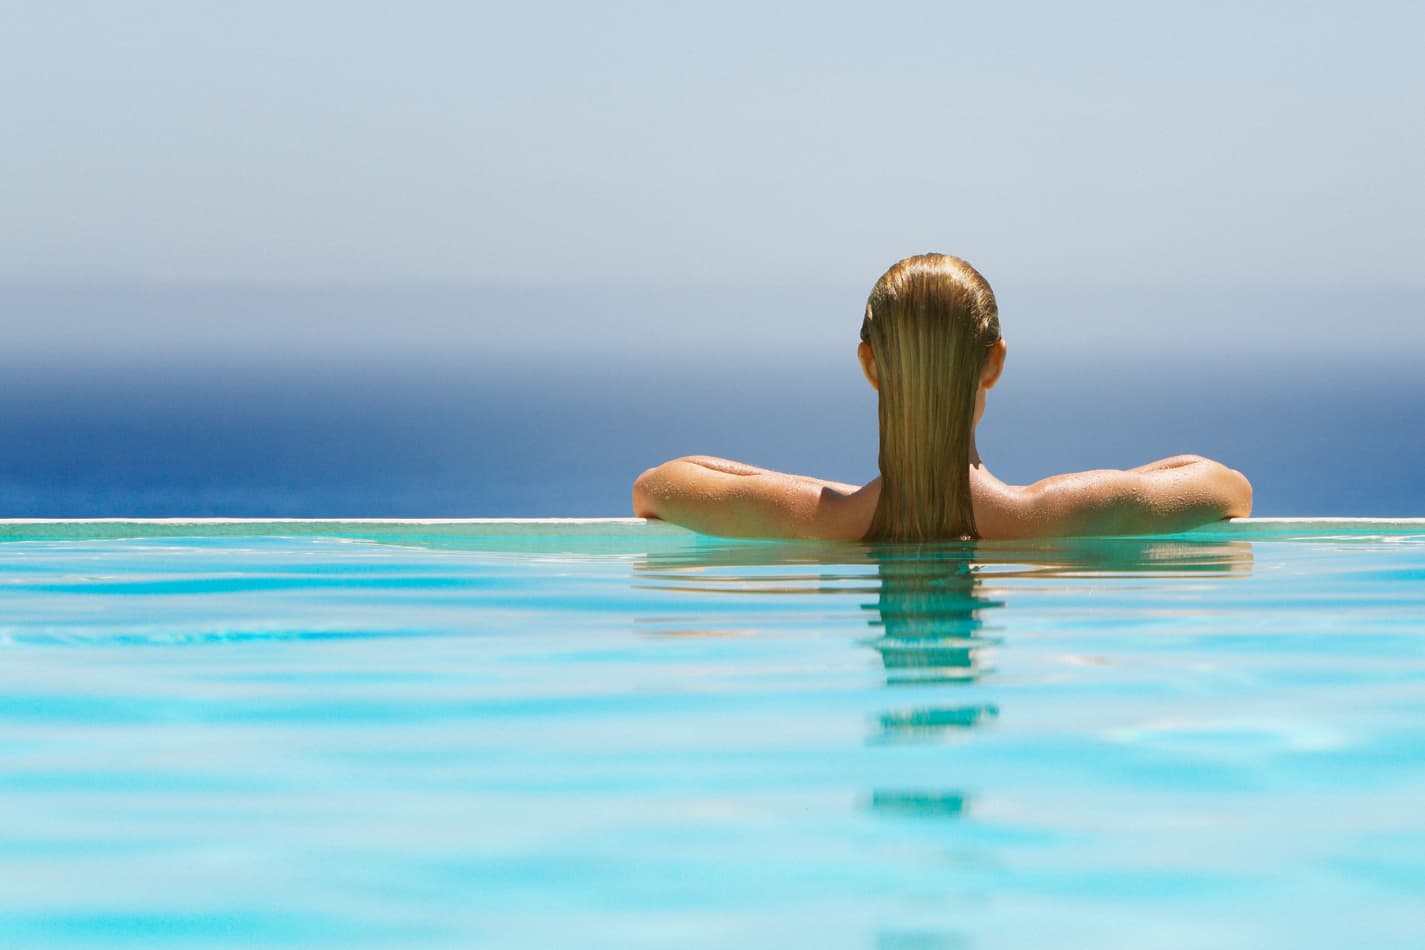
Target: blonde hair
{"points": [[930, 321]]}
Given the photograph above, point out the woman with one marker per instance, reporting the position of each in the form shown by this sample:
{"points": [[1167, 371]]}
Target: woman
{"points": [[931, 348]]}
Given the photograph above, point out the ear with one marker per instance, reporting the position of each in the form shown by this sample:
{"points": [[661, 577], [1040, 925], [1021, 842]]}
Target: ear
{"points": [[994, 365], [868, 364]]}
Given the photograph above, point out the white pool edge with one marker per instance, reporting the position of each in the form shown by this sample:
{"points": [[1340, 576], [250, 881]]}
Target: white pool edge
{"points": [[621, 522], [618, 527]]}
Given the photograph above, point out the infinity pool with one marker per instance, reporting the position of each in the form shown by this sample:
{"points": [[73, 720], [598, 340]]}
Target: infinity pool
{"points": [[615, 734]]}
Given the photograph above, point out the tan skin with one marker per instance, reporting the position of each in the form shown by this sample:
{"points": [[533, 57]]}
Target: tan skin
{"points": [[716, 496]]}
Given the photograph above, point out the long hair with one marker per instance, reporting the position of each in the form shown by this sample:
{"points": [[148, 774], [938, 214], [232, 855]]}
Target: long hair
{"points": [[930, 321]]}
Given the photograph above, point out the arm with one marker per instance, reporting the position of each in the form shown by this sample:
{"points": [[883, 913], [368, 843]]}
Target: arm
{"points": [[1162, 497], [1176, 461], [715, 496]]}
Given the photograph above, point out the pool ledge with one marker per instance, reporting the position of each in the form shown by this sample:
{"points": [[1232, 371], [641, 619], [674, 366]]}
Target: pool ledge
{"points": [[99, 528]]}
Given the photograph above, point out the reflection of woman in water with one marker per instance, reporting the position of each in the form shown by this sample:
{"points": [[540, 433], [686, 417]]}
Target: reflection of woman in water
{"points": [[936, 609], [929, 610], [931, 348]]}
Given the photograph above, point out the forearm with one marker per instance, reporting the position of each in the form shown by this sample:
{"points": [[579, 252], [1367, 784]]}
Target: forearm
{"points": [[1152, 500], [729, 467], [722, 465], [711, 501], [1176, 461], [1191, 492], [676, 490]]}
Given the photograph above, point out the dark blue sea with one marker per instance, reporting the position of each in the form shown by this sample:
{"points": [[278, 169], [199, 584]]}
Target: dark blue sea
{"points": [[548, 402]]}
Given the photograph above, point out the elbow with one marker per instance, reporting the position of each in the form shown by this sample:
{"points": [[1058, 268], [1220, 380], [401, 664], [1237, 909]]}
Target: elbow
{"points": [[646, 490], [1230, 490], [642, 496], [1240, 501]]}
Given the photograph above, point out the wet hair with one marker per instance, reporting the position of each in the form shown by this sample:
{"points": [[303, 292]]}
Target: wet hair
{"points": [[930, 321]]}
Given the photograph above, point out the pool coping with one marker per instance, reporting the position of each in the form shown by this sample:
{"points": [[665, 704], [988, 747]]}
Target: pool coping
{"points": [[605, 527], [474, 525]]}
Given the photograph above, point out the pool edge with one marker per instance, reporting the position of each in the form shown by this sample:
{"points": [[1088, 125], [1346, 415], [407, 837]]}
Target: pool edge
{"points": [[14, 529]]}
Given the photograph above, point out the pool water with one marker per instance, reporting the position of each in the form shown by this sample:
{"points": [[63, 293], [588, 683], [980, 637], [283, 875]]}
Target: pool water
{"points": [[623, 735]]}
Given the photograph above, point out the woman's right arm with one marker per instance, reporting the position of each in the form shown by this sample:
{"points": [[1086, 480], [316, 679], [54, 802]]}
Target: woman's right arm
{"points": [[1162, 497]]}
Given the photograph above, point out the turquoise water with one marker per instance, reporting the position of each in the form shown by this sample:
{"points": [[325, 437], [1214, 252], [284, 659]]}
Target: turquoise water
{"points": [[442, 735]]}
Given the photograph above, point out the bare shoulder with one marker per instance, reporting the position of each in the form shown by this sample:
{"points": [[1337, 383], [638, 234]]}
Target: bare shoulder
{"points": [[850, 512], [1001, 511]]}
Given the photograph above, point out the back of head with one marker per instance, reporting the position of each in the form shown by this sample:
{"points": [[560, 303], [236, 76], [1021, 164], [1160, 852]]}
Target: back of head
{"points": [[930, 320]]}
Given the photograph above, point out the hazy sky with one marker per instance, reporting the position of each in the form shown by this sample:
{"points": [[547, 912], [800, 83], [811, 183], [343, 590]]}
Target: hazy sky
{"points": [[796, 143], [310, 257]]}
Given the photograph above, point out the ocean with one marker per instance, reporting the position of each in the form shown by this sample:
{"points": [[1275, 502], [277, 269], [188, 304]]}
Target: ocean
{"points": [[556, 416]]}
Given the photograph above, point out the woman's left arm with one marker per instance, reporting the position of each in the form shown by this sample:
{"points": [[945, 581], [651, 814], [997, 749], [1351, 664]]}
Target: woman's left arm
{"points": [[717, 496]]}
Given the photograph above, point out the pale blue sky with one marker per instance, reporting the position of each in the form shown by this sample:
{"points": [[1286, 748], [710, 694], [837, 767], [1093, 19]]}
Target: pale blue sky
{"points": [[319, 257], [728, 144]]}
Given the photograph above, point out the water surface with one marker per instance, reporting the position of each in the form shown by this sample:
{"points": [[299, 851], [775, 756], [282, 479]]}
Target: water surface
{"points": [[653, 739]]}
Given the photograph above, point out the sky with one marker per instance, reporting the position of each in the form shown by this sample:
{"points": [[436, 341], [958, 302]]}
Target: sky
{"points": [[790, 143], [260, 215]]}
